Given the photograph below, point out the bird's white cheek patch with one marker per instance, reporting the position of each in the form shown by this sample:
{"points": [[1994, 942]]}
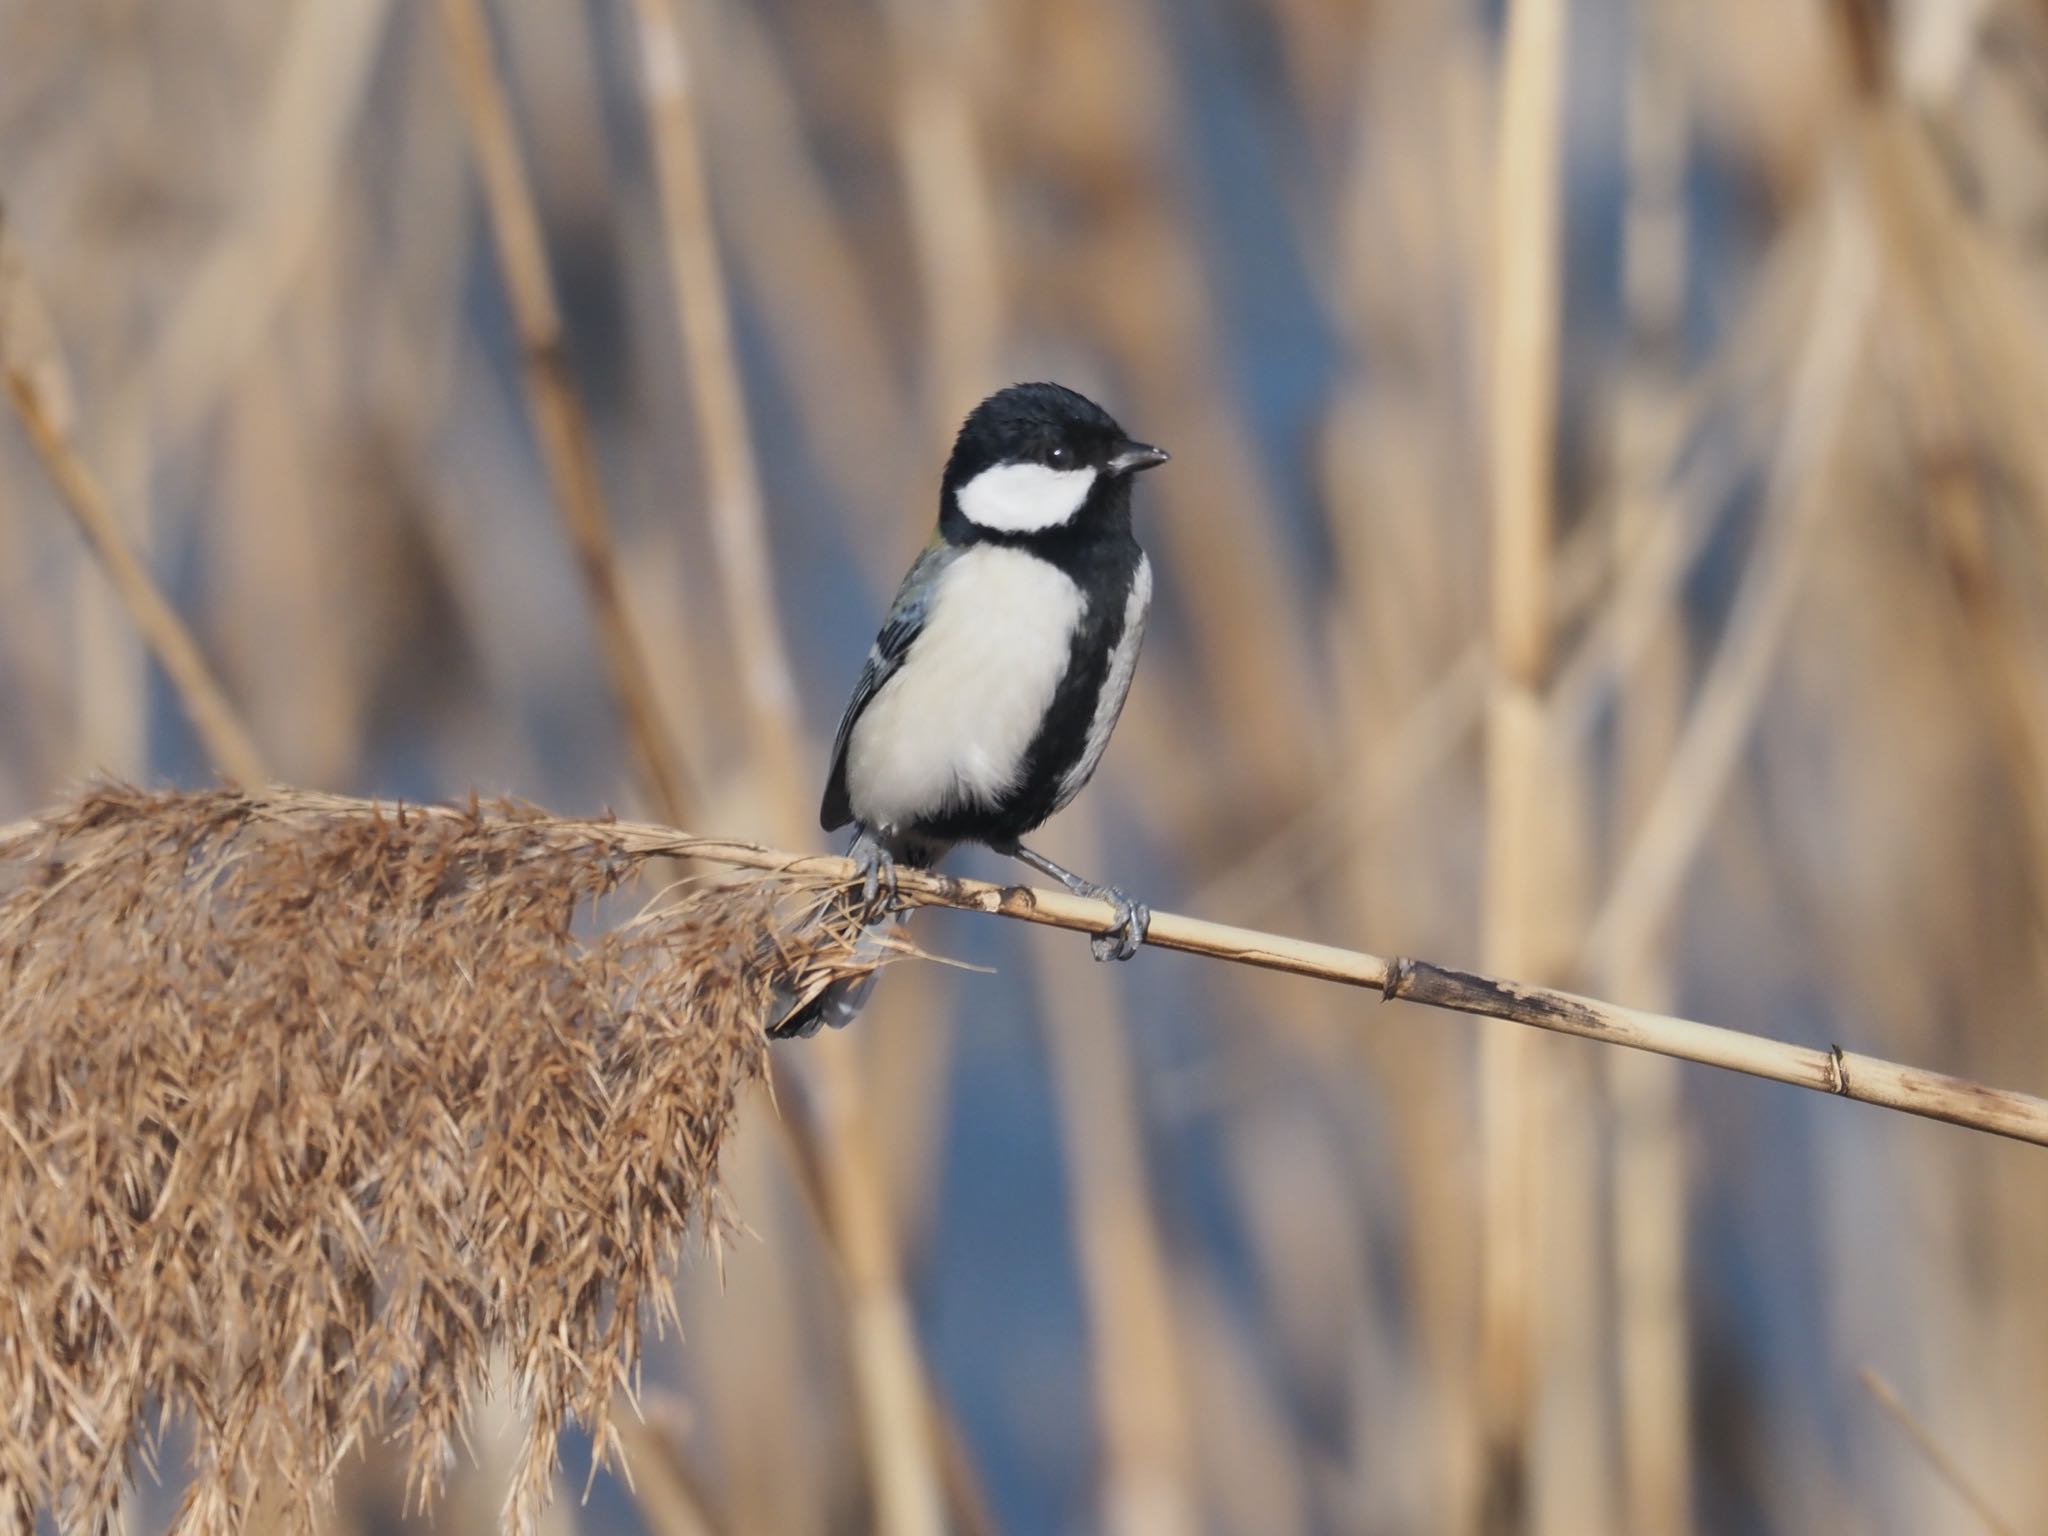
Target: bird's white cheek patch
{"points": [[1023, 498]]}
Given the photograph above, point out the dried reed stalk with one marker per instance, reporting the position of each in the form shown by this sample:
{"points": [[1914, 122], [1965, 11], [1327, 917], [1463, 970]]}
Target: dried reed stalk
{"points": [[1525, 299], [1650, 1191], [1647, 581], [773, 204], [1911, 209], [1680, 813], [1135, 1346], [1849, 1074], [297, 156], [39, 387], [559, 422], [954, 228], [733, 490], [1945, 1466], [313, 1107], [1135, 282], [827, 322], [665, 1489], [1418, 1077], [839, 1147]]}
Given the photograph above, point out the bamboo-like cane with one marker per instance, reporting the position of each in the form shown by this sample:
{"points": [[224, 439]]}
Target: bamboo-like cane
{"points": [[1849, 1074]]}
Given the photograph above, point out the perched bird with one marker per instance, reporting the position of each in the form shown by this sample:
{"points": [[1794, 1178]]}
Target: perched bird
{"points": [[990, 694]]}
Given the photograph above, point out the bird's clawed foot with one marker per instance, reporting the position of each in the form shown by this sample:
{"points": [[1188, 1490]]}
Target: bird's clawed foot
{"points": [[1124, 936], [877, 874]]}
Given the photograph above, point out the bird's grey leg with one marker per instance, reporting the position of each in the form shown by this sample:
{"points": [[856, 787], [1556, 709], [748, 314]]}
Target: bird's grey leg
{"points": [[1121, 939], [877, 870]]}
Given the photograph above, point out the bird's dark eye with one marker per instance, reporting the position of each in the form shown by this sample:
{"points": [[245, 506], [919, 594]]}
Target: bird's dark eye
{"points": [[1060, 455]]}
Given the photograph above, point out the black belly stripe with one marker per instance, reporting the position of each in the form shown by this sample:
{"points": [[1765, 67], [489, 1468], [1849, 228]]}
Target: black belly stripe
{"points": [[1104, 570]]}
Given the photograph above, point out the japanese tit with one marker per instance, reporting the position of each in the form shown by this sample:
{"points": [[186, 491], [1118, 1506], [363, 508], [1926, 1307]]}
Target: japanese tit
{"points": [[988, 698]]}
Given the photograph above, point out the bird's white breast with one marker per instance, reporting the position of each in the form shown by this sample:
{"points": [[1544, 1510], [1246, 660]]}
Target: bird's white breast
{"points": [[1116, 685], [953, 725]]}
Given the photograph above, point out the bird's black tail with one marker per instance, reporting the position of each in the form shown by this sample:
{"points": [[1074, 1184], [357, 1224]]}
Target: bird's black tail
{"points": [[837, 1005], [839, 1002]]}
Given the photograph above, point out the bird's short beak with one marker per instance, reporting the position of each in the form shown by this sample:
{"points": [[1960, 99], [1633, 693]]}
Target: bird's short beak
{"points": [[1136, 456]]}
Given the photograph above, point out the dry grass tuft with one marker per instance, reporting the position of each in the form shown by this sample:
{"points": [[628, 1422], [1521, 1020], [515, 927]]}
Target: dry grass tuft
{"points": [[310, 1113]]}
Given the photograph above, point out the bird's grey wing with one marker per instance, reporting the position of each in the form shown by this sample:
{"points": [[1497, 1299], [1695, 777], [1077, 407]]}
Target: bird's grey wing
{"points": [[905, 623]]}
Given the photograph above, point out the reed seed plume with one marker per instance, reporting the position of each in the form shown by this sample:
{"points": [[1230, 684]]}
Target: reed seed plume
{"points": [[313, 1110]]}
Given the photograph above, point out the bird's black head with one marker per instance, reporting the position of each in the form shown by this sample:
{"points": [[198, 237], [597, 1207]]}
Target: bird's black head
{"points": [[1038, 460]]}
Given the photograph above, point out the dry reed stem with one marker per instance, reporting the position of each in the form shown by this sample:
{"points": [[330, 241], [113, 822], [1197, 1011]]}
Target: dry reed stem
{"points": [[952, 214], [1849, 1074], [966, 1499], [839, 1146], [1134, 1345], [1401, 607], [1909, 212], [833, 1143], [1438, 721], [39, 387], [834, 1148], [733, 490], [221, 733], [1736, 380], [1137, 283], [1525, 298], [665, 1489], [297, 158], [559, 422], [1647, 1236], [1650, 569], [1709, 748], [888, 1366], [827, 321], [1944, 1465], [311, 1107]]}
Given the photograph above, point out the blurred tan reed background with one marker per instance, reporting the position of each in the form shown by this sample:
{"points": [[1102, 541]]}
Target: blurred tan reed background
{"points": [[1605, 537]]}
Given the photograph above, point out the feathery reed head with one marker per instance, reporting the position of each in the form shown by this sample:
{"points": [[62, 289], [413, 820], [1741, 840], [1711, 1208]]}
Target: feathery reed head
{"points": [[308, 1113]]}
